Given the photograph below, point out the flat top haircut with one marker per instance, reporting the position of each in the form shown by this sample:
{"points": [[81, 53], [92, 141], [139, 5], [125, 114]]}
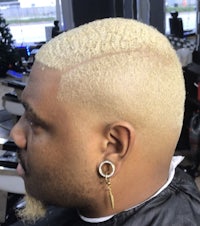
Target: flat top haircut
{"points": [[121, 69]]}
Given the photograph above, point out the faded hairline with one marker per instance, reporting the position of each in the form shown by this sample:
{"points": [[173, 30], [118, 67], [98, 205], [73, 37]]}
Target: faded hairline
{"points": [[120, 68]]}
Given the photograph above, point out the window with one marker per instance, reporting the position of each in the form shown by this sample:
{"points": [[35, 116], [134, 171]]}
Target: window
{"points": [[29, 20], [186, 11]]}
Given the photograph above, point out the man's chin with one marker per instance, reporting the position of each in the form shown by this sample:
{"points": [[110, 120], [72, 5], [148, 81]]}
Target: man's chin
{"points": [[33, 210]]}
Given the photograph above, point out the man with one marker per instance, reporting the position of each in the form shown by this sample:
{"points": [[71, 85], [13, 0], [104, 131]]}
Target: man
{"points": [[56, 29], [103, 113]]}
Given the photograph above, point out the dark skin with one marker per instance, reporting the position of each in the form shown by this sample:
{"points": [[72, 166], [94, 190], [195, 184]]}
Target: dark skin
{"points": [[61, 155]]}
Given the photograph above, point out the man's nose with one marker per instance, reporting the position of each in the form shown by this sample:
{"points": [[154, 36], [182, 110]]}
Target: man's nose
{"points": [[18, 135]]}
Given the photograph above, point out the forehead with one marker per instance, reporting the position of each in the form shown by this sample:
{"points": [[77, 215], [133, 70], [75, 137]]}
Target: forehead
{"points": [[42, 87], [41, 80], [41, 96]]}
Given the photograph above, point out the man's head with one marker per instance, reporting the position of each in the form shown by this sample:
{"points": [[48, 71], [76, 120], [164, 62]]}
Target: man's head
{"points": [[109, 90], [56, 22], [120, 68]]}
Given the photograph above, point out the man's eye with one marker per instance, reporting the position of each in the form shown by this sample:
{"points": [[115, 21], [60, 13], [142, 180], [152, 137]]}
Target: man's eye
{"points": [[33, 123]]}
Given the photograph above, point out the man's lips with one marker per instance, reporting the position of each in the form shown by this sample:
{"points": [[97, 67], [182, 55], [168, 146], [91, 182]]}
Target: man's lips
{"points": [[20, 170]]}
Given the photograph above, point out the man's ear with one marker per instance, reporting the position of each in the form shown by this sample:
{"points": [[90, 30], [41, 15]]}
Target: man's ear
{"points": [[120, 140]]}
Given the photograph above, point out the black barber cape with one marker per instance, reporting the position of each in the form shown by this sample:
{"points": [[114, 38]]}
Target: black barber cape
{"points": [[177, 205]]}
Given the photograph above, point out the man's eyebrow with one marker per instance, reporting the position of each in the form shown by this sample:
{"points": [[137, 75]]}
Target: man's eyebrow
{"points": [[34, 115]]}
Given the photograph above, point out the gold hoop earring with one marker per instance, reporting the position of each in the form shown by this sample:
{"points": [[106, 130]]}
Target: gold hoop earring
{"points": [[107, 175]]}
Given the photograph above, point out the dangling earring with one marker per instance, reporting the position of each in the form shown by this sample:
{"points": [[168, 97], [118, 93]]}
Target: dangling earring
{"points": [[107, 177]]}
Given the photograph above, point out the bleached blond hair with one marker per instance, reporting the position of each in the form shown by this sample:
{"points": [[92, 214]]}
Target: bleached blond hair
{"points": [[120, 68]]}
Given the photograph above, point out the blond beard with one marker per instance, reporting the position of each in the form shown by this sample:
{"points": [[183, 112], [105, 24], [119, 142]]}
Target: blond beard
{"points": [[33, 211]]}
